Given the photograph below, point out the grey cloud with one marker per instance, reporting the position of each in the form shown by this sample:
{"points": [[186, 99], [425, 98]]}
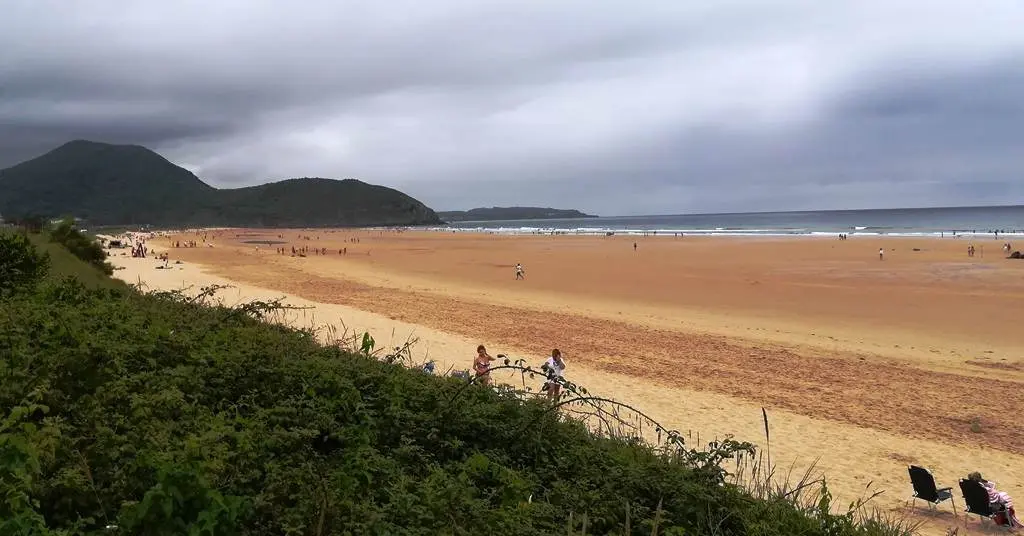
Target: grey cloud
{"points": [[616, 108], [949, 139]]}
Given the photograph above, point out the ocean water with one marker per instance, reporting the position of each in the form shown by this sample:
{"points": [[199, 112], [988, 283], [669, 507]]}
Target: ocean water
{"points": [[972, 221]]}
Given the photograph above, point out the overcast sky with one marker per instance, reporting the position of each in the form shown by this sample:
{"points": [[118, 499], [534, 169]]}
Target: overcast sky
{"points": [[638, 107]]}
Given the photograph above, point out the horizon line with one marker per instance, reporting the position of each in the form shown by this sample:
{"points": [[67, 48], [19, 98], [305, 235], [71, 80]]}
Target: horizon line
{"points": [[948, 207]]}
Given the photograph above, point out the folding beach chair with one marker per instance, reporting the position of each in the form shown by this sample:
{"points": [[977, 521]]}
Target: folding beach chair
{"points": [[926, 490], [976, 498]]}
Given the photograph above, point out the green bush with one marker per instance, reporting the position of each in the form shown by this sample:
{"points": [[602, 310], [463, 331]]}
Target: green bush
{"points": [[84, 247], [155, 415], [21, 265]]}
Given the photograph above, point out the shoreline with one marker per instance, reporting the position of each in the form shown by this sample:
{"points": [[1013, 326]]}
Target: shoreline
{"points": [[739, 233], [622, 232]]}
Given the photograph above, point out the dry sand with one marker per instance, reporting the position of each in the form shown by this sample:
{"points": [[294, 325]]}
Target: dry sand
{"points": [[863, 365]]}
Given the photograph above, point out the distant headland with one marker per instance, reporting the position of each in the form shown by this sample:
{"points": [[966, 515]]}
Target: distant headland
{"points": [[510, 213]]}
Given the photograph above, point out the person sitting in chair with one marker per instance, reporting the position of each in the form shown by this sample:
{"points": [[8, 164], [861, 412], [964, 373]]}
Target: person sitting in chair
{"points": [[1003, 504]]}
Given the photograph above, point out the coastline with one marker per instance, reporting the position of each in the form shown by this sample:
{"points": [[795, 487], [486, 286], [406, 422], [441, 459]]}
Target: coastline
{"points": [[462, 227], [447, 307], [969, 222]]}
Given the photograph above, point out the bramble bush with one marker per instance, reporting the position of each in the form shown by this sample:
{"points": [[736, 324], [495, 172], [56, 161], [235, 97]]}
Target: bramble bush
{"points": [[123, 413], [21, 266], [84, 247]]}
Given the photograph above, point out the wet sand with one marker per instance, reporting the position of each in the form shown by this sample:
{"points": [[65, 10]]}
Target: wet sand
{"points": [[865, 365]]}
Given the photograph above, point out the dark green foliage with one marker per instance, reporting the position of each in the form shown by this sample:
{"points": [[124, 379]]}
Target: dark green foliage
{"points": [[84, 247], [64, 265], [314, 202], [130, 185], [101, 183], [510, 213], [154, 415], [21, 265]]}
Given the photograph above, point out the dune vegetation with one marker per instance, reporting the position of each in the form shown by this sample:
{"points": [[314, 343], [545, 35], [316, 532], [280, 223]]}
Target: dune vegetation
{"points": [[166, 414]]}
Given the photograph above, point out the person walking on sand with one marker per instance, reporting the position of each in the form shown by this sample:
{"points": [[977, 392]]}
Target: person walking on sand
{"points": [[881, 254], [634, 246], [520, 274], [482, 365], [553, 369]]}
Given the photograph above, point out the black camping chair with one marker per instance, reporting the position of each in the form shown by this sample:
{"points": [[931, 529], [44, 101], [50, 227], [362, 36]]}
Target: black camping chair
{"points": [[976, 498], [926, 490]]}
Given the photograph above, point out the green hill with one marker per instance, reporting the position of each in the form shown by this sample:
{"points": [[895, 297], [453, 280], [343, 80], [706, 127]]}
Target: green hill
{"points": [[316, 202], [511, 213], [108, 184], [124, 413], [101, 183]]}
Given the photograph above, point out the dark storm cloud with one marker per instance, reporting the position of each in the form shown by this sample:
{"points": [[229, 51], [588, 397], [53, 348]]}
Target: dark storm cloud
{"points": [[613, 108]]}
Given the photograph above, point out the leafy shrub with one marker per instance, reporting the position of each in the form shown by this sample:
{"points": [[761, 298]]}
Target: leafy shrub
{"points": [[21, 265], [22, 446], [156, 415], [80, 245]]}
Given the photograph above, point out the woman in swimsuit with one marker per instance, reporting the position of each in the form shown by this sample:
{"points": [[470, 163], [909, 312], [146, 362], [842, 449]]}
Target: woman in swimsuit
{"points": [[482, 365]]}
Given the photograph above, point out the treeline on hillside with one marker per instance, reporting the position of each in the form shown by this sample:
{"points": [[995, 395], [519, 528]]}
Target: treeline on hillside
{"points": [[123, 413], [107, 184], [64, 233], [86, 248]]}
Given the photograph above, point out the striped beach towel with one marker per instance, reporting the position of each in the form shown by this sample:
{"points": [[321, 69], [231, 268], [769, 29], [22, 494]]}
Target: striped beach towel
{"points": [[1002, 498]]}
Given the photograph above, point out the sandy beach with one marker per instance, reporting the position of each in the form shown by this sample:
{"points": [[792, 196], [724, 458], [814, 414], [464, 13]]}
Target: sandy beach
{"points": [[863, 365]]}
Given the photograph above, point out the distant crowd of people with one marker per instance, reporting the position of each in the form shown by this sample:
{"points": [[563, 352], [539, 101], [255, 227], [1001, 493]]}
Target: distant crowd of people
{"points": [[971, 251], [305, 250]]}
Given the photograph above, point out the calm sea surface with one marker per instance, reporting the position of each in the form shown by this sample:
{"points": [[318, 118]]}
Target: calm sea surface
{"points": [[896, 222]]}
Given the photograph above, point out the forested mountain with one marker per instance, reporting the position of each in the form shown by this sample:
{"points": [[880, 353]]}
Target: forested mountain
{"points": [[108, 184]]}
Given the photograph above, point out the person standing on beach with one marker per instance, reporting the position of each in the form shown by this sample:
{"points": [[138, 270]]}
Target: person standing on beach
{"points": [[634, 246], [554, 368], [881, 254], [520, 274], [482, 365]]}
